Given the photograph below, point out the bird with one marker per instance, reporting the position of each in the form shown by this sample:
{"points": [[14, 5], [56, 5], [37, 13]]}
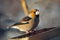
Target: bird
{"points": [[29, 22]]}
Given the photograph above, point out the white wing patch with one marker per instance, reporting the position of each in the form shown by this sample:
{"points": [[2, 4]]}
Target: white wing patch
{"points": [[23, 22], [15, 27]]}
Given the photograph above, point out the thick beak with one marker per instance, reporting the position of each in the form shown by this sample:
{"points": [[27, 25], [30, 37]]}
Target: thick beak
{"points": [[37, 12]]}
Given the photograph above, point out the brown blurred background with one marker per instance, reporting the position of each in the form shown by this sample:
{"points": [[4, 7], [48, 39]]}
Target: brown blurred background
{"points": [[11, 12]]}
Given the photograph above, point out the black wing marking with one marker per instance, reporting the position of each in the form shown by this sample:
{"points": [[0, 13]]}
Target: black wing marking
{"points": [[26, 18], [20, 23]]}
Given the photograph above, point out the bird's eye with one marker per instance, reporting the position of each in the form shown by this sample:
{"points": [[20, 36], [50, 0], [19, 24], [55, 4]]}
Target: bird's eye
{"points": [[34, 12]]}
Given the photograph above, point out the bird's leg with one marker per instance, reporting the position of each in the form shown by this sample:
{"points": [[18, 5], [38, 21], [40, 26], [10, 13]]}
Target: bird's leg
{"points": [[29, 31], [34, 30]]}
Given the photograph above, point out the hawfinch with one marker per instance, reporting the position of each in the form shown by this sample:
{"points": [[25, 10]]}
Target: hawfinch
{"points": [[28, 23]]}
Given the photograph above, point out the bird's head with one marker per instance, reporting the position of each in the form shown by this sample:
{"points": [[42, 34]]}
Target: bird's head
{"points": [[34, 13]]}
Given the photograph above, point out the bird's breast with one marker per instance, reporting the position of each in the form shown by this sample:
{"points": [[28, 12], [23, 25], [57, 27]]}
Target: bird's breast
{"points": [[26, 27]]}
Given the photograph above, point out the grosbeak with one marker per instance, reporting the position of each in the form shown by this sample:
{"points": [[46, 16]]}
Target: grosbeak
{"points": [[29, 22]]}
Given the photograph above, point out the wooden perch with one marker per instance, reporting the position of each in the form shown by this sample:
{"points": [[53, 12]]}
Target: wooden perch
{"points": [[41, 34], [25, 7]]}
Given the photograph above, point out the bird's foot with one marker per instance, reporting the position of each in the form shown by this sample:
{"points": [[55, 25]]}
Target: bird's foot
{"points": [[29, 32]]}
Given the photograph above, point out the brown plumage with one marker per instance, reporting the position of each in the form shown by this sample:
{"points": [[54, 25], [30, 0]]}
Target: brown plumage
{"points": [[28, 23]]}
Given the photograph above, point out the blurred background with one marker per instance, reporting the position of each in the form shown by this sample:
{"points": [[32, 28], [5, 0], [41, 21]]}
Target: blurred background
{"points": [[11, 12]]}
